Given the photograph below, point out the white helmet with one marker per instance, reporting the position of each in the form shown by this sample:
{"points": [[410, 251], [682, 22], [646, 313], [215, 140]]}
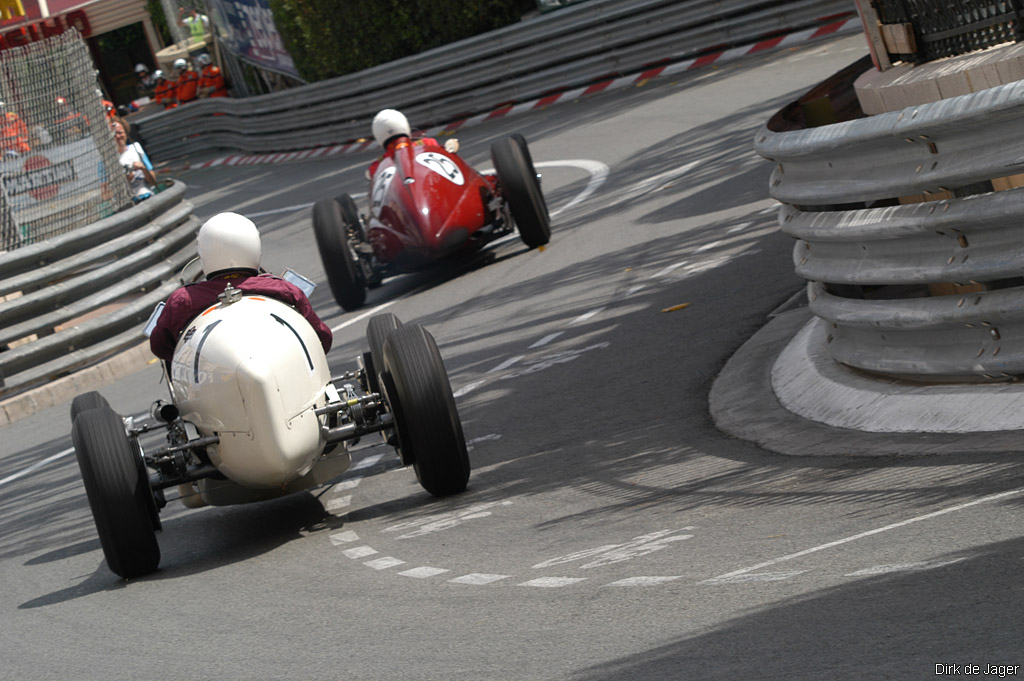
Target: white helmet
{"points": [[388, 124], [141, 68], [158, 74], [203, 59], [180, 64], [229, 241]]}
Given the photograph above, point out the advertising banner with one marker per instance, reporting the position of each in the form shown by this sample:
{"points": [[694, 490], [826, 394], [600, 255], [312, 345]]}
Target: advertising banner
{"points": [[246, 28], [49, 182]]}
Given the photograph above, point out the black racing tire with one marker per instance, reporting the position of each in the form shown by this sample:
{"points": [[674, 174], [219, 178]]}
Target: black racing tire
{"points": [[87, 401], [521, 190], [377, 330], [428, 425], [525, 148], [349, 211], [339, 261], [118, 490]]}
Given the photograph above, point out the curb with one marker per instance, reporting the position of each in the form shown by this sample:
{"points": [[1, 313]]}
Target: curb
{"points": [[834, 28], [743, 403], [64, 389]]}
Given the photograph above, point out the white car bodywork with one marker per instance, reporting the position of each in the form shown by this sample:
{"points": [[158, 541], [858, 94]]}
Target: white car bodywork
{"points": [[251, 371]]}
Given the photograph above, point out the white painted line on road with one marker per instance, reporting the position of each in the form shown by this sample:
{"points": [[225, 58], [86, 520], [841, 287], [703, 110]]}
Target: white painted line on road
{"points": [[465, 390], [36, 466], [347, 484], [547, 339], [904, 567], [644, 581], [586, 315], [368, 313], [707, 247], [360, 552], [478, 579], [384, 563], [662, 272], [346, 537], [598, 174], [634, 290], [367, 462], [484, 438], [275, 211], [902, 523], [506, 364], [339, 503], [552, 582], [423, 572], [754, 577]]}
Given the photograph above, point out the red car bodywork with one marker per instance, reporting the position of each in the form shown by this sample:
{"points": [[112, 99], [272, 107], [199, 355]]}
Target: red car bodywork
{"points": [[426, 203]]}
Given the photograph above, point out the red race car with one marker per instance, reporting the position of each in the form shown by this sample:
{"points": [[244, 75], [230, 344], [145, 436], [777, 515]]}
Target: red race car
{"points": [[426, 203]]}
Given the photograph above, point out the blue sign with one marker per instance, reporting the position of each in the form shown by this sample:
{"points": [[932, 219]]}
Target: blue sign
{"points": [[246, 27]]}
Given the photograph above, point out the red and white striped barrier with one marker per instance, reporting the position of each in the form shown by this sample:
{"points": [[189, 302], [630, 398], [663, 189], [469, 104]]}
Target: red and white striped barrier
{"points": [[844, 24]]}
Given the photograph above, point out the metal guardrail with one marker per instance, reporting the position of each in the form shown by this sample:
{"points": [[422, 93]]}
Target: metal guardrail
{"points": [[932, 290], [132, 259], [576, 46]]}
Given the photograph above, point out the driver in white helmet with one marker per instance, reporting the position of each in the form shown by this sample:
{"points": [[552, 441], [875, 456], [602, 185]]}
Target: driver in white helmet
{"points": [[391, 130], [230, 251]]}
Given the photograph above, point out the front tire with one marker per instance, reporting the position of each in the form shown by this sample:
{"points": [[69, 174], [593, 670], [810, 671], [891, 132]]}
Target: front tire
{"points": [[117, 487], [427, 420], [339, 261], [521, 190], [377, 331]]}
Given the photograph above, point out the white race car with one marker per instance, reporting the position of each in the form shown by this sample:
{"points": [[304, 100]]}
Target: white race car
{"points": [[255, 414]]}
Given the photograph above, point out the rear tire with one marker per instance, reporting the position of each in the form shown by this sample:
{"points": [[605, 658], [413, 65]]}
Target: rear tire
{"points": [[521, 191], [377, 331], [118, 489], [336, 253], [87, 401], [427, 420]]}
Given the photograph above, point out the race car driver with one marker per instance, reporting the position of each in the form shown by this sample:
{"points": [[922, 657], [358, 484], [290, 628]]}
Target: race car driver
{"points": [[230, 251], [391, 130]]}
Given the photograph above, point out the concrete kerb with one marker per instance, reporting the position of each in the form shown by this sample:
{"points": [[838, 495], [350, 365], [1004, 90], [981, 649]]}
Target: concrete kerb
{"points": [[64, 389], [744, 403]]}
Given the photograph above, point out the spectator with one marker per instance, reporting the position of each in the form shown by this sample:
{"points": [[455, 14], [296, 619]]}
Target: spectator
{"points": [[187, 88], [211, 80], [230, 251], [198, 25], [14, 136], [141, 180], [146, 85], [69, 124]]}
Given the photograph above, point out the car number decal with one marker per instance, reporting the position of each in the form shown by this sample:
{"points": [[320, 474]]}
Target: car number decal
{"points": [[442, 165], [380, 188]]}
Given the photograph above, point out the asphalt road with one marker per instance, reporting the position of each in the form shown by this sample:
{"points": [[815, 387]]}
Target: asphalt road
{"points": [[609, 530]]}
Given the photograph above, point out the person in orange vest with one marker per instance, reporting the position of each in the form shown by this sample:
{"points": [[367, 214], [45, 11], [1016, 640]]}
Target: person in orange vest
{"points": [[13, 133], [164, 92], [211, 80], [108, 106], [188, 82], [68, 123]]}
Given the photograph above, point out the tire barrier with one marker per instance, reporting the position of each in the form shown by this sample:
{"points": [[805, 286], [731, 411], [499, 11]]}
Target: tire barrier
{"points": [[55, 318], [575, 46], [915, 261]]}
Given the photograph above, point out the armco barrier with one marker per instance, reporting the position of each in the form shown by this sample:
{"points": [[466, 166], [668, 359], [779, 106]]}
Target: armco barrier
{"points": [[572, 47], [129, 261], [932, 290]]}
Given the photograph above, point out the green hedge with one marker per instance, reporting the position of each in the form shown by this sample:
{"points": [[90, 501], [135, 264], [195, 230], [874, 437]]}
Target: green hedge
{"points": [[328, 38]]}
